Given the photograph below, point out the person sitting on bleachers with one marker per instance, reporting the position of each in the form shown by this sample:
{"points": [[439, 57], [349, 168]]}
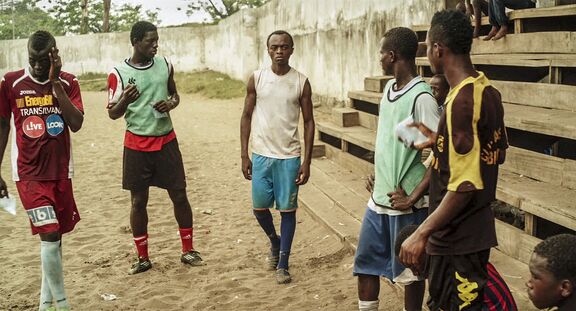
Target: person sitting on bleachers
{"points": [[553, 273], [474, 8], [498, 18]]}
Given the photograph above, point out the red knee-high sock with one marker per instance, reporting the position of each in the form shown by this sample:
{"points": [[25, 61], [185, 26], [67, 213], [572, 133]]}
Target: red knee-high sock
{"points": [[142, 245], [186, 237]]}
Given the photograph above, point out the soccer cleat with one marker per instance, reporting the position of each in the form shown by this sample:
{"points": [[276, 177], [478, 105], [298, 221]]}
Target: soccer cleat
{"points": [[283, 276], [273, 258], [142, 265], [192, 258]]}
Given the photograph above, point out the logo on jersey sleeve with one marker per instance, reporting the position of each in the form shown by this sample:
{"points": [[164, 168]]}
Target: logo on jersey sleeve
{"points": [[33, 127], [54, 125]]}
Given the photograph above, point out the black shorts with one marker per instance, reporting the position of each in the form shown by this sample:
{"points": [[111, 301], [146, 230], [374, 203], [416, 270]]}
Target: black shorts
{"points": [[163, 168], [457, 282]]}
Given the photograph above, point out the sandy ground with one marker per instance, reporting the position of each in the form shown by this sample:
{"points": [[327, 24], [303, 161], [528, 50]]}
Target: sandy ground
{"points": [[98, 254]]}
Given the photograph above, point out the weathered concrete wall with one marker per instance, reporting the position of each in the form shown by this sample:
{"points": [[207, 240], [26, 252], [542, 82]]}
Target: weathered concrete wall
{"points": [[336, 41]]}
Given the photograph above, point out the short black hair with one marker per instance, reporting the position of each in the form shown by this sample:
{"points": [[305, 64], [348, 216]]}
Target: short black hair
{"points": [[402, 236], [40, 40], [453, 29], [442, 80], [280, 32], [560, 252], [139, 30], [402, 41]]}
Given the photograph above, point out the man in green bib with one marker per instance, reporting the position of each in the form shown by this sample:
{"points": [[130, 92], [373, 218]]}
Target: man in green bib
{"points": [[401, 180], [142, 89]]}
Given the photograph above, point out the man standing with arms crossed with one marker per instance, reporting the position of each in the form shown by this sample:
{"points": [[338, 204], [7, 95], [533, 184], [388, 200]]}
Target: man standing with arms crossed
{"points": [[401, 179], [142, 89], [469, 145], [275, 96], [44, 103]]}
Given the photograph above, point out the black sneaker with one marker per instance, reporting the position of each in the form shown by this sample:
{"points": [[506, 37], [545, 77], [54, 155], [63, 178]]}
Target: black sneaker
{"points": [[192, 258], [283, 276], [142, 265]]}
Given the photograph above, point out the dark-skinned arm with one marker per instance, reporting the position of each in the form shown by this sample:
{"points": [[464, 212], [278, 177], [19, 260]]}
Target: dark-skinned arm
{"points": [[412, 249], [71, 114], [246, 126], [401, 201], [309, 128], [174, 100]]}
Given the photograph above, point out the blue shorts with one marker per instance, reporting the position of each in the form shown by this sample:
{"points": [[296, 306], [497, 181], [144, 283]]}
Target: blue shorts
{"points": [[274, 180], [375, 252]]}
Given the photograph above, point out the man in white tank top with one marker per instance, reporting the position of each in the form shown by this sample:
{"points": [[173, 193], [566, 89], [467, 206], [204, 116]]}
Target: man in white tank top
{"points": [[274, 98]]}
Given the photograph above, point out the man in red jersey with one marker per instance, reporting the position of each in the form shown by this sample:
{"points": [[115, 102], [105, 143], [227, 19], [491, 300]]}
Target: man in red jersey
{"points": [[44, 103]]}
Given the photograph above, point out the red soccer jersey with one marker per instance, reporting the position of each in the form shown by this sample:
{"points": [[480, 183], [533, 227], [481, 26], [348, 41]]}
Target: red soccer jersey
{"points": [[41, 148]]}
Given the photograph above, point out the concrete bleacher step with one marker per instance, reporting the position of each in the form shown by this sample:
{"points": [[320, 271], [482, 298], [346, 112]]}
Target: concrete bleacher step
{"points": [[376, 84], [357, 135], [555, 18], [345, 117], [553, 122], [335, 197], [545, 200], [550, 199], [543, 95]]}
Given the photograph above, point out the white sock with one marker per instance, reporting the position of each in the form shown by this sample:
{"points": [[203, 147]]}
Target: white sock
{"points": [[52, 268], [45, 293], [368, 305]]}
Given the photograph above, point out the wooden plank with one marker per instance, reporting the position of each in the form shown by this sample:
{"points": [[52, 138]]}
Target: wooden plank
{"points": [[542, 95], [565, 10], [376, 84], [530, 224], [345, 117], [369, 97], [534, 165], [349, 161], [544, 200], [345, 198], [365, 139], [569, 177], [325, 211], [420, 28], [329, 128], [514, 242], [539, 120], [551, 42], [318, 150], [507, 60], [368, 120]]}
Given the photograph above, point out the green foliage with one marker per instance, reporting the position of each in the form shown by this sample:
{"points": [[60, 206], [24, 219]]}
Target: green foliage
{"points": [[68, 13], [208, 83], [221, 9], [211, 84], [28, 18]]}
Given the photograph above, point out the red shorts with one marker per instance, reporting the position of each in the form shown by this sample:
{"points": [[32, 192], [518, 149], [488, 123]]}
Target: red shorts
{"points": [[50, 205]]}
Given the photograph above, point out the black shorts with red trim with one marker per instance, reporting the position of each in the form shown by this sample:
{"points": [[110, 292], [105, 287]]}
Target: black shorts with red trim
{"points": [[163, 168], [457, 282]]}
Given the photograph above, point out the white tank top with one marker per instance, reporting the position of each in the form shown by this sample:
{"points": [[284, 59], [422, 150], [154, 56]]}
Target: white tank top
{"points": [[276, 114]]}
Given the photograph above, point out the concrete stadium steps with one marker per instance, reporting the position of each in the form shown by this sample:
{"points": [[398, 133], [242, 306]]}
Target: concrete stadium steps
{"points": [[554, 122], [336, 197], [547, 68], [542, 95]]}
